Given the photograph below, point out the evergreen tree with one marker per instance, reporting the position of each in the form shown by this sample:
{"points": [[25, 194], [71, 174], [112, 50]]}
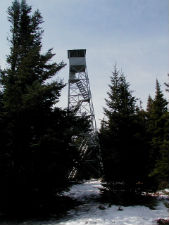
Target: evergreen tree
{"points": [[155, 124], [161, 169], [28, 69], [149, 104], [167, 85], [159, 103], [38, 134], [122, 137], [161, 163]]}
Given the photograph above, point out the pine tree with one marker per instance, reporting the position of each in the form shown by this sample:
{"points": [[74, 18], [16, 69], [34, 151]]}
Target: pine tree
{"points": [[122, 136]]}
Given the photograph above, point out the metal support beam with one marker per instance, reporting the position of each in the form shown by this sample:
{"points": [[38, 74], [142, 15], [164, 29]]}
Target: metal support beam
{"points": [[80, 99]]}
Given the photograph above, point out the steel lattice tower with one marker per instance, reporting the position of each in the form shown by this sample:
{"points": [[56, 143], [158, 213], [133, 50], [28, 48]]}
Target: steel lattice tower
{"points": [[80, 99]]}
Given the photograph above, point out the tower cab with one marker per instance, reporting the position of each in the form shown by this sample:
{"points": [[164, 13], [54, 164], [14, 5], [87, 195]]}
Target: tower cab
{"points": [[77, 63]]}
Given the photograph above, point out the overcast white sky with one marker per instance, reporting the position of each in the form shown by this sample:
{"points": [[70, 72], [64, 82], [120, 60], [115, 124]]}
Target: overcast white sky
{"points": [[134, 34]]}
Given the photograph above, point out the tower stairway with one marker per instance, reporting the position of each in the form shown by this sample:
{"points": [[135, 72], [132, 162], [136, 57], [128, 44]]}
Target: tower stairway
{"points": [[82, 90], [80, 99], [82, 152]]}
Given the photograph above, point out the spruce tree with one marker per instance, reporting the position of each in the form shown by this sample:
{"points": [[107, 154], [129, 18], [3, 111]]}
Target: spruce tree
{"points": [[156, 125], [161, 163], [38, 134], [122, 136], [149, 103], [159, 103]]}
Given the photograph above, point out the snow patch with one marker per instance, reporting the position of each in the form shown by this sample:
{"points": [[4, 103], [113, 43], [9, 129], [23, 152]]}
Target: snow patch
{"points": [[83, 191], [92, 213]]}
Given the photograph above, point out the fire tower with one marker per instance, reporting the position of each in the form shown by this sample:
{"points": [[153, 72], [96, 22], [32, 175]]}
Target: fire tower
{"points": [[80, 99]]}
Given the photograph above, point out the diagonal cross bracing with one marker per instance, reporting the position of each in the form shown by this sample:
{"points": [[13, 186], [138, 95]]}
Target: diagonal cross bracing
{"points": [[80, 99]]}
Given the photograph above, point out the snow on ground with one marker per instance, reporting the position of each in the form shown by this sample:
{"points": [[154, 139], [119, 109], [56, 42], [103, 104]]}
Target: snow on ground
{"points": [[129, 216], [85, 190], [163, 194], [91, 212]]}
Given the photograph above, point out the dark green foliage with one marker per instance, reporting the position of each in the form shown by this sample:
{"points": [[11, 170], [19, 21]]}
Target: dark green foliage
{"points": [[157, 127], [161, 170], [36, 155], [123, 139], [149, 104], [122, 198]]}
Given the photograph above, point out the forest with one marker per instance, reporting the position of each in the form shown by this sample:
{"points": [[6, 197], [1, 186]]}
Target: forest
{"points": [[38, 146]]}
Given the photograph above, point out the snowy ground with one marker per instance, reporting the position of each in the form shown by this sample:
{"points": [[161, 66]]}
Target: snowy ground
{"points": [[93, 213]]}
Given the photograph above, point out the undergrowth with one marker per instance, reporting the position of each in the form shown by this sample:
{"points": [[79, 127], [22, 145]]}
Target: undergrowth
{"points": [[128, 199]]}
